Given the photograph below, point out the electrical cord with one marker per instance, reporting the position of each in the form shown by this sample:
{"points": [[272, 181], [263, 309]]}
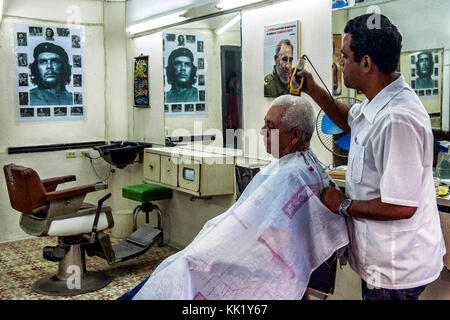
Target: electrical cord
{"points": [[331, 96], [312, 65], [95, 171]]}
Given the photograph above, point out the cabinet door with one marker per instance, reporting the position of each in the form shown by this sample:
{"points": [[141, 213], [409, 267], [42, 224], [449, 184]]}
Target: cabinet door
{"points": [[169, 171], [152, 166], [189, 176]]}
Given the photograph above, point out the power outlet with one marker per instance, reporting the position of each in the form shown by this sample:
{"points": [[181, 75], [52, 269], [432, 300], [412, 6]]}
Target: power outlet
{"points": [[71, 154], [84, 153]]}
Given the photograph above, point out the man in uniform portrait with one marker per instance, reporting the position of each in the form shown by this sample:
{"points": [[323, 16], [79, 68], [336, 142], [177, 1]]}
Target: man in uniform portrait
{"points": [[50, 72], [181, 75], [277, 83]]}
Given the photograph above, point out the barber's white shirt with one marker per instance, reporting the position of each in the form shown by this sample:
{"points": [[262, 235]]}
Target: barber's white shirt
{"points": [[391, 156]]}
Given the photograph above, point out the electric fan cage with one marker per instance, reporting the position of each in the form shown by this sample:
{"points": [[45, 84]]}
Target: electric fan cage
{"points": [[329, 140]]}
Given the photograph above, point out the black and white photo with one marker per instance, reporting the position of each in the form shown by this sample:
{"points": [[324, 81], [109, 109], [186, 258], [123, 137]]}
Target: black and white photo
{"points": [[183, 77], [21, 39], [60, 111], [76, 111], [48, 69], [425, 74]]}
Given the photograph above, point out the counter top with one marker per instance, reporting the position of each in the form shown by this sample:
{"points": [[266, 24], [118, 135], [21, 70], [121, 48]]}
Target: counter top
{"points": [[443, 202]]}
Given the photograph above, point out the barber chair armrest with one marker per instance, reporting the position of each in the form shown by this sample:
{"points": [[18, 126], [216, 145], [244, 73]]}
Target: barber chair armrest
{"points": [[100, 185], [50, 184], [70, 192]]}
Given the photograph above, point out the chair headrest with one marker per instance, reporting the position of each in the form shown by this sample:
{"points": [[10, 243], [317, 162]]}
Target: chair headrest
{"points": [[25, 189]]}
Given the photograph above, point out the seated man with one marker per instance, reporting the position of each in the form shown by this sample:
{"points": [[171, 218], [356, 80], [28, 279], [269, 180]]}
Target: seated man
{"points": [[269, 242]]}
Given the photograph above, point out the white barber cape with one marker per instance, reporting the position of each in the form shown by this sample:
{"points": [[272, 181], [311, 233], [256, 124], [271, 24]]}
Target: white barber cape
{"points": [[264, 247]]}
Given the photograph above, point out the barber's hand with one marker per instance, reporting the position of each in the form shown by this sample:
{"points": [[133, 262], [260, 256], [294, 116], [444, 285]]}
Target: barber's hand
{"points": [[309, 84], [332, 198]]}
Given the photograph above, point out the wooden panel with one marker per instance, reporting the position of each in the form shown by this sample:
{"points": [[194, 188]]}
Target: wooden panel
{"points": [[169, 170], [217, 179], [152, 166]]}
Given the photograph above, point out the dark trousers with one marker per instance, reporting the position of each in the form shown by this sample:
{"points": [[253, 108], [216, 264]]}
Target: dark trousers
{"points": [[373, 293]]}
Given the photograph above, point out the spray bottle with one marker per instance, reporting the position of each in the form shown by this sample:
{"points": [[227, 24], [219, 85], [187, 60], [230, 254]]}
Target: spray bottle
{"points": [[443, 162]]}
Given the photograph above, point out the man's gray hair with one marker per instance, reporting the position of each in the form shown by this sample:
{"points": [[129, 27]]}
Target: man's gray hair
{"points": [[298, 113]]}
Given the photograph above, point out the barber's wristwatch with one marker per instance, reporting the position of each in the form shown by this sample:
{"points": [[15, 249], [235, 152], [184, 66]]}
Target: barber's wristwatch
{"points": [[344, 206]]}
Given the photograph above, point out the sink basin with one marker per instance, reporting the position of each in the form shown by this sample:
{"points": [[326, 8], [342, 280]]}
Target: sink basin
{"points": [[121, 154]]}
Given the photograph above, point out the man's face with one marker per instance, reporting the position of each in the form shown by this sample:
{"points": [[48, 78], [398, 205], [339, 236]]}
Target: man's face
{"points": [[182, 67], [276, 137], [350, 68], [283, 63], [49, 66], [424, 63]]}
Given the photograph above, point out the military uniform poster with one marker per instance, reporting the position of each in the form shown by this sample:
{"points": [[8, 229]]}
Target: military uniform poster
{"points": [[336, 67], [49, 72], [273, 85], [184, 73], [426, 72]]}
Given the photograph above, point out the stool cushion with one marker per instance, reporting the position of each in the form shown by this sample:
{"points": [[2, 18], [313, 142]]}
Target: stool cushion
{"points": [[146, 192]]}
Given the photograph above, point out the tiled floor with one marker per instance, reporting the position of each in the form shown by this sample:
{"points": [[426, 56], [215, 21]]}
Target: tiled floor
{"points": [[21, 263]]}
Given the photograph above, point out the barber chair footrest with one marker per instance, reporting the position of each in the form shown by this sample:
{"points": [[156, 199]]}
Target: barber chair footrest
{"points": [[55, 253], [89, 281], [137, 243]]}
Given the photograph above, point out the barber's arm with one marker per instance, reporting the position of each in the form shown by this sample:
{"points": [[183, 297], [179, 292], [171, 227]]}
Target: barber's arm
{"points": [[337, 111], [367, 209]]}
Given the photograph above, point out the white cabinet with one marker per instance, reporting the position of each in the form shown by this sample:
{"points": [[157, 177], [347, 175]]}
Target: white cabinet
{"points": [[195, 172]]}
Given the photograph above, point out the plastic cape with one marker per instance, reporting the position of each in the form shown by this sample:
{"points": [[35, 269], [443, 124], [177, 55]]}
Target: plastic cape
{"points": [[264, 247]]}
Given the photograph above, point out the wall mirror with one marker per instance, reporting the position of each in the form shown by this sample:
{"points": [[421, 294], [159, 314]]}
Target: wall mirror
{"points": [[425, 57], [202, 80]]}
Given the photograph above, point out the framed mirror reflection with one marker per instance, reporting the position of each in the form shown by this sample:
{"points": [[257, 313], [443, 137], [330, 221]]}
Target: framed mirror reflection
{"points": [[202, 81]]}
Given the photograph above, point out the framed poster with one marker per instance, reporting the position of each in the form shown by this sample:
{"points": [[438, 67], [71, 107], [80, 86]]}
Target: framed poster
{"points": [[49, 73], [281, 52], [336, 68], [423, 70], [426, 72], [141, 87], [184, 73]]}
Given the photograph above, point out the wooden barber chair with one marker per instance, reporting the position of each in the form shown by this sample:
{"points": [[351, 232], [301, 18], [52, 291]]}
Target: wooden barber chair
{"points": [[78, 225]]}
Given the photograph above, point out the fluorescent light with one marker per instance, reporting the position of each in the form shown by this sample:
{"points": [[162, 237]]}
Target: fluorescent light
{"points": [[231, 4], [1, 10], [157, 22], [227, 25]]}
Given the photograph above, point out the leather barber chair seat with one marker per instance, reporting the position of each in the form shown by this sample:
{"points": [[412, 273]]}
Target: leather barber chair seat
{"points": [[77, 225]]}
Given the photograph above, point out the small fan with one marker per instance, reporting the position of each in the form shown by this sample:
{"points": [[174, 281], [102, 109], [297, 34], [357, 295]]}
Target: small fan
{"points": [[334, 139]]}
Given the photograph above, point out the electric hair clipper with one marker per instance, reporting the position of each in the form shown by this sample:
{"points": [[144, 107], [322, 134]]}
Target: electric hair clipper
{"points": [[296, 82]]}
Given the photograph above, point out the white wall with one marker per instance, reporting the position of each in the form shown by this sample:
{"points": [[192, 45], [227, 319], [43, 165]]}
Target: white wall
{"points": [[15, 134], [315, 17], [211, 123], [423, 26], [148, 124], [105, 89], [184, 218]]}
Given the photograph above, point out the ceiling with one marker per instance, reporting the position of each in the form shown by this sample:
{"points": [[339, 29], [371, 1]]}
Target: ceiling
{"points": [[141, 9]]}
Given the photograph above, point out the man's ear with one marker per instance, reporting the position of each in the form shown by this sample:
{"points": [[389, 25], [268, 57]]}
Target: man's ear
{"points": [[367, 63], [296, 136]]}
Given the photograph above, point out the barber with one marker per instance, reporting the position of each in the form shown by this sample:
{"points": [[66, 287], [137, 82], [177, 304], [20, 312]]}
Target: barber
{"points": [[396, 242]]}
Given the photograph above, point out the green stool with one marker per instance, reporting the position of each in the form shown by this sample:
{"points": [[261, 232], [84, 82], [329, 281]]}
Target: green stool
{"points": [[146, 193]]}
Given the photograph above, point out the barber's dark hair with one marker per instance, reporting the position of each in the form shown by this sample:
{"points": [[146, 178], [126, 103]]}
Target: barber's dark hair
{"points": [[170, 72], [430, 66], [382, 42], [66, 68]]}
